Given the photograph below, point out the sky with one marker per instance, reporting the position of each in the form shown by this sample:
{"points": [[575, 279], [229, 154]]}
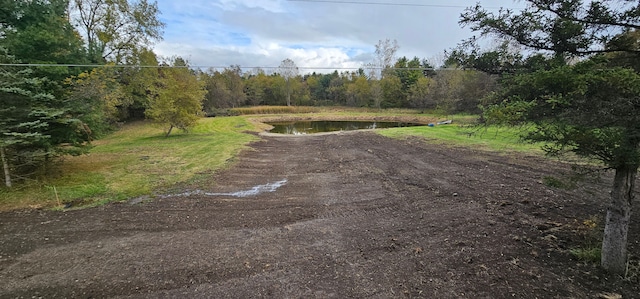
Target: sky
{"points": [[318, 35]]}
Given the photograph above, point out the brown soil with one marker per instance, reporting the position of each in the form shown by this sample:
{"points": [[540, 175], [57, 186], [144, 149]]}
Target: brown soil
{"points": [[361, 216]]}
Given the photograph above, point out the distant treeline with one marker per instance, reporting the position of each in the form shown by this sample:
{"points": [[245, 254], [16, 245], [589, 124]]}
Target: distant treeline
{"points": [[409, 84]]}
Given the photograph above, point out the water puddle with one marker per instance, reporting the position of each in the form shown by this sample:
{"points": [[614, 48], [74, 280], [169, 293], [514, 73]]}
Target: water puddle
{"points": [[266, 188]]}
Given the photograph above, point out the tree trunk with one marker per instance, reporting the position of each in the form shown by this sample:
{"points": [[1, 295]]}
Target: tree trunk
{"points": [[288, 93], [169, 132], [614, 243], [5, 166]]}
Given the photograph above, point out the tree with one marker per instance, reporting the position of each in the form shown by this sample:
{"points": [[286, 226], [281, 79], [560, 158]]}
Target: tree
{"points": [[288, 70], [358, 92], [503, 59], [385, 56], [591, 108], [178, 103], [337, 89], [136, 83], [255, 87], [392, 93], [113, 29], [408, 77], [420, 94], [376, 93], [218, 95], [235, 85], [563, 27], [34, 125], [96, 96], [445, 89], [39, 32]]}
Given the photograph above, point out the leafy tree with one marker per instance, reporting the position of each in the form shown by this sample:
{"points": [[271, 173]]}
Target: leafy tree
{"points": [[590, 108], [420, 95], [300, 93], [445, 89], [95, 98], [358, 93], [136, 83], [337, 89], [474, 86], [392, 93], [288, 70], [218, 95], [113, 29], [316, 90], [235, 85], [376, 93], [255, 88], [178, 103]]}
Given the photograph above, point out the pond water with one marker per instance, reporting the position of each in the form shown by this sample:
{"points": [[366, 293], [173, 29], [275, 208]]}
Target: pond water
{"points": [[310, 127]]}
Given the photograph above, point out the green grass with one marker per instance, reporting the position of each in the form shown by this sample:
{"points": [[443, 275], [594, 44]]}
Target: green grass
{"points": [[501, 139], [135, 161], [589, 254]]}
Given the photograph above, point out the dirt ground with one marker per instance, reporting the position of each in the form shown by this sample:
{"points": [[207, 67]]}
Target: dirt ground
{"points": [[360, 216]]}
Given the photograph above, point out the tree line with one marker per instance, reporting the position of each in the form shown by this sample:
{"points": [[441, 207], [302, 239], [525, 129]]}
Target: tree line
{"points": [[406, 84]]}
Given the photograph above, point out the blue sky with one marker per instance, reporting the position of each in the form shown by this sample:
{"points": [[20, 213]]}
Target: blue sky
{"points": [[262, 33]]}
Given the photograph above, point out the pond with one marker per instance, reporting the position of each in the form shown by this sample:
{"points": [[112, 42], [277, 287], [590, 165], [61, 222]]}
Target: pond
{"points": [[310, 127]]}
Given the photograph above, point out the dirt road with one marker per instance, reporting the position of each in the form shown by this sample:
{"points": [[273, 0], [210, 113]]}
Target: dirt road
{"points": [[357, 215]]}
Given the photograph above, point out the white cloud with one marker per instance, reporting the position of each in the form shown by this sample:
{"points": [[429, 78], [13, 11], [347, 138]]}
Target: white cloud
{"points": [[313, 34]]}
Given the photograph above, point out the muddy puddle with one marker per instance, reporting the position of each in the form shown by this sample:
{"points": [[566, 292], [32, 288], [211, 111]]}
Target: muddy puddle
{"points": [[255, 190]]}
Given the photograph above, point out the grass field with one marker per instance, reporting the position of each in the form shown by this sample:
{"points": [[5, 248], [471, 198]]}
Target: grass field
{"points": [[134, 161], [500, 139], [138, 160]]}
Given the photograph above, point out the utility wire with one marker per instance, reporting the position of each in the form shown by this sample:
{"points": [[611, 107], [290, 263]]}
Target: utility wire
{"points": [[213, 67], [389, 3]]}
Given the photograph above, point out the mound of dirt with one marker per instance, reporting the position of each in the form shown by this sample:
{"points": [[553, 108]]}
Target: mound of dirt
{"points": [[347, 215]]}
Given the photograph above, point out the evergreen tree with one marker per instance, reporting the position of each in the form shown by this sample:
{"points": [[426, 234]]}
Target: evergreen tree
{"points": [[589, 108], [34, 126]]}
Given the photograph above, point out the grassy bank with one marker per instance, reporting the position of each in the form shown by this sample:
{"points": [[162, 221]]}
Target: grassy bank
{"points": [[501, 139], [135, 161], [347, 113]]}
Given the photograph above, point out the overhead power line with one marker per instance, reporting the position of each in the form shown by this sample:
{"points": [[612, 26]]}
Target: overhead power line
{"points": [[90, 65], [389, 3], [196, 66]]}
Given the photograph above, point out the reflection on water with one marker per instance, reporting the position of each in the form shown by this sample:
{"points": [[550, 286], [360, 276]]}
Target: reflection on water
{"points": [[271, 187], [310, 127]]}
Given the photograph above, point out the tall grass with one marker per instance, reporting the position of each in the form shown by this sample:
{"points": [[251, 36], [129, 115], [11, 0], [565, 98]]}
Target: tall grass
{"points": [[274, 110], [135, 161]]}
